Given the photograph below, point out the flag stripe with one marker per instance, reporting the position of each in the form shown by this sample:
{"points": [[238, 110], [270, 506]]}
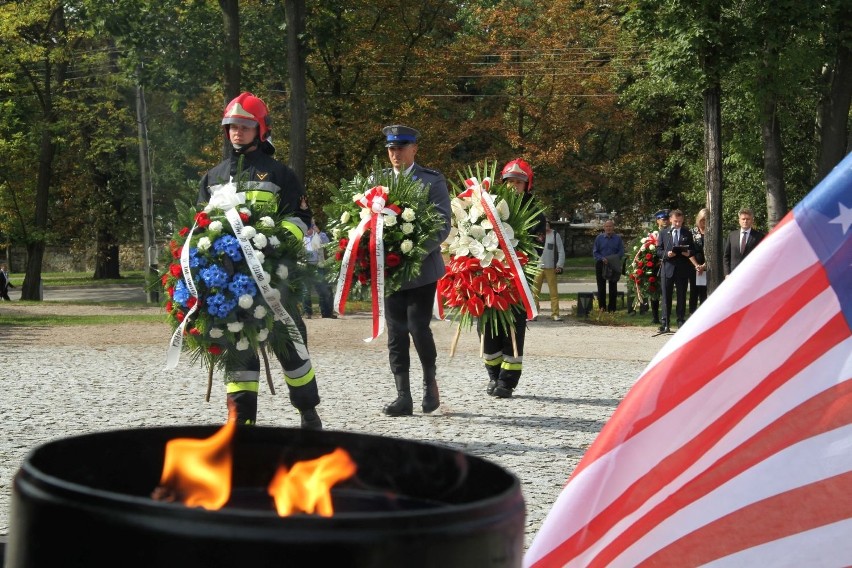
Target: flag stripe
{"points": [[686, 448], [797, 550], [702, 358], [790, 428], [812, 506]]}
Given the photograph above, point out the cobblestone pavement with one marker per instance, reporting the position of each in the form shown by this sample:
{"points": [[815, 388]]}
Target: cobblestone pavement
{"points": [[574, 376]]}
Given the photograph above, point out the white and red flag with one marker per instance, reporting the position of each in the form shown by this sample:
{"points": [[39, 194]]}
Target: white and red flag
{"points": [[734, 447]]}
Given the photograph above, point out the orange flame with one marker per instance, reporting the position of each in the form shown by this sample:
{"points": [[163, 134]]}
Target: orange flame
{"points": [[306, 488], [198, 472]]}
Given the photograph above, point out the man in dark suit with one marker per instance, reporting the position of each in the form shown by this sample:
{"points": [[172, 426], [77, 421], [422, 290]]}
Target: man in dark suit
{"points": [[741, 242], [409, 311], [677, 250]]}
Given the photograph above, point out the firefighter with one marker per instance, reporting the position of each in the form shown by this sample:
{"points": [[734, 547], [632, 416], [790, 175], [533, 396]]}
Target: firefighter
{"points": [[502, 363], [265, 180]]}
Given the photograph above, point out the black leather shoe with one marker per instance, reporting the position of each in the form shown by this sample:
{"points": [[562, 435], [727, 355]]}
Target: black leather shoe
{"points": [[491, 386], [311, 420], [664, 329]]}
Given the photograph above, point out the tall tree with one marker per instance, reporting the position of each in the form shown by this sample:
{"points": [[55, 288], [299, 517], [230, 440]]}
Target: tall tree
{"points": [[298, 90], [833, 125]]}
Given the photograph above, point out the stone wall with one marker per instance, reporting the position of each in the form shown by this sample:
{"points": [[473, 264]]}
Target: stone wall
{"points": [[62, 259]]}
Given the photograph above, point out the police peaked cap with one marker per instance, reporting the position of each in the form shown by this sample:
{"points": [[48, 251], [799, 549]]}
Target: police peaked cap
{"points": [[662, 214], [399, 135]]}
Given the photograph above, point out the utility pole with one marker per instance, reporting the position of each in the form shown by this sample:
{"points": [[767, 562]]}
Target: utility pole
{"points": [[148, 237]]}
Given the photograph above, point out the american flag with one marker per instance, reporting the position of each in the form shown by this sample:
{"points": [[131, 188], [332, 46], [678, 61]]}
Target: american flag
{"points": [[734, 446]]}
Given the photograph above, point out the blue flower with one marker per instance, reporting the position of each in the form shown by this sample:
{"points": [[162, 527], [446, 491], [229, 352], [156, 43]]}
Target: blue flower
{"points": [[242, 284], [219, 305], [229, 245], [181, 294], [196, 261], [214, 276]]}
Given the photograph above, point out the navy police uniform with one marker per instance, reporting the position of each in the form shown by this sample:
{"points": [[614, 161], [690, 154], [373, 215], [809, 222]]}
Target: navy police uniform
{"points": [[266, 180], [408, 311]]}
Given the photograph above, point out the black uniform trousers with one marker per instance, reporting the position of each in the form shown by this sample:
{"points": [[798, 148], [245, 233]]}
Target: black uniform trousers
{"points": [[409, 313]]}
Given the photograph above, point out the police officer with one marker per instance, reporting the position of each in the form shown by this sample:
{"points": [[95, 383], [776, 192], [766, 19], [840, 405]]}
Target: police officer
{"points": [[265, 180], [662, 219], [409, 310]]}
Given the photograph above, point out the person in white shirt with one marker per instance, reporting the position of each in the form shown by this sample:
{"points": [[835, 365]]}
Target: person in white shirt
{"points": [[550, 263]]}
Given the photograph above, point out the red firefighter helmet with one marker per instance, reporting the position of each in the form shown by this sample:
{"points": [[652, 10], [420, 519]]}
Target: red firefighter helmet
{"points": [[248, 110], [518, 169]]}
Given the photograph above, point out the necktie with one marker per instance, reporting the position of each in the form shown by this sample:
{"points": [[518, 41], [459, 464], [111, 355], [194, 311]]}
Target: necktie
{"points": [[676, 237], [743, 242]]}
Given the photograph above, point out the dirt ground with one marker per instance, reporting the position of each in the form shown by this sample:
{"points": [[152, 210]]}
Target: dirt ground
{"points": [[544, 337]]}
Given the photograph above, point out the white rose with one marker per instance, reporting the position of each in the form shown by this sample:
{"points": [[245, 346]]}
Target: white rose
{"points": [[282, 271], [216, 333], [242, 344], [259, 256], [274, 242], [249, 232], [204, 243], [345, 217], [336, 233], [406, 246], [259, 312], [407, 228], [215, 227], [390, 220], [262, 335], [235, 326], [245, 301], [408, 214], [266, 222]]}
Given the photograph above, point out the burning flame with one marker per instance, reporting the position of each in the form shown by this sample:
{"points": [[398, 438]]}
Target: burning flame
{"points": [[306, 488], [198, 472]]}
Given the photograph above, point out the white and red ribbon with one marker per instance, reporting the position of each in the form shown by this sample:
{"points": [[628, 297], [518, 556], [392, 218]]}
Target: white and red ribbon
{"points": [[375, 202], [176, 344], [477, 190]]}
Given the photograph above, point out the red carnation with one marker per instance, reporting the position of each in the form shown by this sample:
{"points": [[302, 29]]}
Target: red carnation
{"points": [[184, 231], [338, 256], [244, 217], [640, 272], [194, 331], [202, 219], [165, 279], [652, 279], [649, 264], [214, 350], [169, 306], [175, 270], [179, 316], [393, 259], [648, 256], [191, 301], [343, 243]]}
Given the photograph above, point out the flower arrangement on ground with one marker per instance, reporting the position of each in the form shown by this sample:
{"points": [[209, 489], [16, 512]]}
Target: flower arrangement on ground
{"points": [[644, 269], [381, 225], [232, 271], [492, 253]]}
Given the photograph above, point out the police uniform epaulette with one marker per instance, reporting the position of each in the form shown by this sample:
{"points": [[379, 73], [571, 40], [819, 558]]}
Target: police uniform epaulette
{"points": [[430, 171]]}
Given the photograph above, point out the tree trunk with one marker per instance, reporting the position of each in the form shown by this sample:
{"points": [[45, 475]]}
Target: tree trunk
{"points": [[31, 288], [106, 256], [770, 131], [295, 11], [773, 167], [834, 108], [713, 184], [233, 64]]}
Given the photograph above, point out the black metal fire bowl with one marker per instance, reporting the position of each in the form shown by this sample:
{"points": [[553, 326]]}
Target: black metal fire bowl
{"points": [[85, 501]]}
